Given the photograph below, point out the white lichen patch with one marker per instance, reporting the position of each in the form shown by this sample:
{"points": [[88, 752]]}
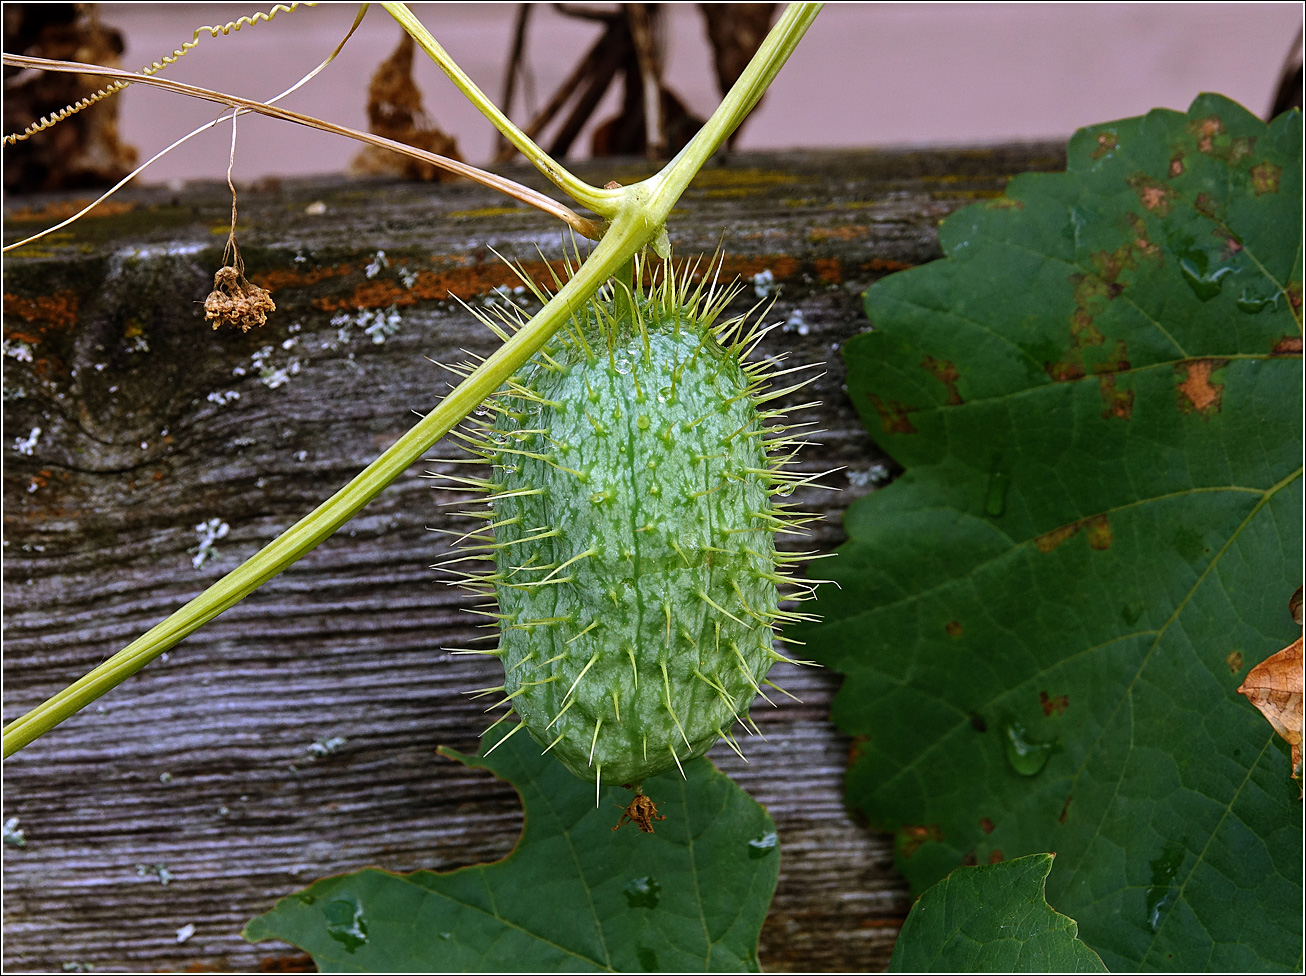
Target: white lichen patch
{"points": [[185, 932], [208, 532], [13, 837], [379, 262], [796, 323], [223, 397], [26, 445], [20, 351], [377, 324], [764, 283], [326, 746], [159, 871], [272, 374]]}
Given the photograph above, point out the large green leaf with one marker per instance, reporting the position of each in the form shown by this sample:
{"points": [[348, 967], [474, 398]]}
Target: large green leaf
{"points": [[573, 896], [991, 919], [1043, 623]]}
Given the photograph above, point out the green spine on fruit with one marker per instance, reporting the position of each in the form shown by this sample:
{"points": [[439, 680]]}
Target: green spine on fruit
{"points": [[633, 515]]}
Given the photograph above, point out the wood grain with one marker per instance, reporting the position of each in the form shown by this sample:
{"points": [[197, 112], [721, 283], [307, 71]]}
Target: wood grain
{"points": [[202, 762]]}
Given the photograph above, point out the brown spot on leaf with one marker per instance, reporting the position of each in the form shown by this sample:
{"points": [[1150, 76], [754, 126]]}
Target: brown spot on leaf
{"points": [[1156, 197], [1206, 130], [855, 748], [1294, 607], [1289, 345], [1098, 530], [1265, 177], [1275, 687], [1294, 295], [1115, 403], [912, 836], [1177, 165], [1196, 392], [893, 415], [969, 860], [1234, 661], [1204, 204], [1106, 141], [945, 371], [1065, 809], [995, 856], [986, 825], [978, 724], [1067, 369], [953, 628], [1049, 541], [1053, 706]]}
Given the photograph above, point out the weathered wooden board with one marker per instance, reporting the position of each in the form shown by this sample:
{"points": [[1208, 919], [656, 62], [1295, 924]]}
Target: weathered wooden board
{"points": [[150, 424]]}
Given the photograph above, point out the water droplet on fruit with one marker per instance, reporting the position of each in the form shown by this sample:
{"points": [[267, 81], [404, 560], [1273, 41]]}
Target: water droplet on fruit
{"points": [[642, 892], [345, 923], [1025, 756], [622, 366], [762, 846]]}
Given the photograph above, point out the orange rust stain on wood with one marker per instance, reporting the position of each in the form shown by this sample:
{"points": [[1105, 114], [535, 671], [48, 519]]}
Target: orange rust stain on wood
{"points": [[1053, 705], [829, 270], [945, 371], [296, 278], [57, 311], [1195, 391], [63, 209], [894, 415], [843, 232], [885, 264]]}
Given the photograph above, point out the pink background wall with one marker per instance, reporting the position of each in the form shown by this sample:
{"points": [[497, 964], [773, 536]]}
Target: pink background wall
{"points": [[865, 75]]}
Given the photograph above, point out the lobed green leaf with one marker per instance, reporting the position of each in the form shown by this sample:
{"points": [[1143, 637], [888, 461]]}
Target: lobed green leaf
{"points": [[1043, 623]]}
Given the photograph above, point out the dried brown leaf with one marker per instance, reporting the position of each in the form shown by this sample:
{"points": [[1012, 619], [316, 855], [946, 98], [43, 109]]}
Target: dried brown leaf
{"points": [[1275, 687]]}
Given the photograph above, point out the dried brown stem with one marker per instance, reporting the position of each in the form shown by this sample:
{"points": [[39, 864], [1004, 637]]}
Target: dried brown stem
{"points": [[592, 229]]}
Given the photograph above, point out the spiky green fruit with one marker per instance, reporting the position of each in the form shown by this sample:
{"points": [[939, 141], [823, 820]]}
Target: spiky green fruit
{"points": [[634, 521]]}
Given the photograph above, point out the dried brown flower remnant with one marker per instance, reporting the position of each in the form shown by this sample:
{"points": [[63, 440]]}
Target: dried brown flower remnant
{"points": [[642, 811], [235, 301], [1275, 687]]}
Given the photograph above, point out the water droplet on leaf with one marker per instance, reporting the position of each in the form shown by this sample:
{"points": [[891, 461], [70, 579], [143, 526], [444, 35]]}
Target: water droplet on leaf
{"points": [[345, 923], [762, 846], [642, 892], [1026, 757], [1161, 892]]}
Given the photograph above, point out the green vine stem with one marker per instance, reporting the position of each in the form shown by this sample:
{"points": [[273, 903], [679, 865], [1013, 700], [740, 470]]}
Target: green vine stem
{"points": [[638, 221]]}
